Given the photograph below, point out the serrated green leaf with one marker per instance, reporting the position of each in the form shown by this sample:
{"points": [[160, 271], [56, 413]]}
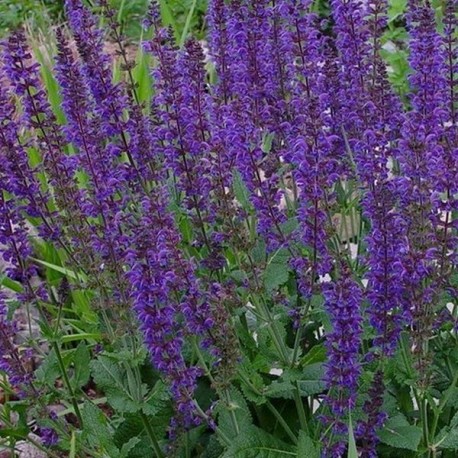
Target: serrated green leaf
{"points": [[398, 433], [142, 449], [213, 449], [132, 426], [156, 399], [128, 446], [256, 443], [309, 381], [142, 77], [233, 415], [277, 270], [447, 439], [109, 377], [252, 384], [306, 447], [96, 430], [448, 436], [168, 18], [280, 389], [51, 85]]}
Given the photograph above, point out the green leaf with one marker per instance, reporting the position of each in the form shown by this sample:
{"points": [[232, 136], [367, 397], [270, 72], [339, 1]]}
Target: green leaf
{"points": [[185, 226], [11, 284], [167, 16], [306, 447], [156, 399], [396, 8], [352, 450], [19, 433], [256, 443], [132, 426], [129, 446], [67, 272], [73, 445], [80, 336], [82, 305], [81, 361], [233, 414], [280, 389], [213, 449], [309, 381], [448, 436], [142, 76], [267, 142], [49, 370], [96, 430], [447, 439], [187, 24], [277, 270], [316, 354], [259, 252], [288, 227], [240, 190], [252, 383], [398, 433], [50, 82], [109, 377]]}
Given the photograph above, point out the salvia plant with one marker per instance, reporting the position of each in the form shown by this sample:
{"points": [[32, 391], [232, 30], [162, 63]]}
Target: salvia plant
{"points": [[245, 247]]}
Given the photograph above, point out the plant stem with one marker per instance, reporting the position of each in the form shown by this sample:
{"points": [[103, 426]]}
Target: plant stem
{"points": [[282, 421], [272, 408], [67, 383], [234, 420], [274, 333], [300, 409], [152, 436], [440, 407], [424, 421], [220, 433]]}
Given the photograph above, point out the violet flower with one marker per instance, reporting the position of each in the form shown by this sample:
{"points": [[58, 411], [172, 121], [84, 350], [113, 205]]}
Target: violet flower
{"points": [[342, 302]]}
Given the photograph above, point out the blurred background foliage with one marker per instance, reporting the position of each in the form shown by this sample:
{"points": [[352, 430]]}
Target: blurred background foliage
{"points": [[38, 15], [188, 16]]}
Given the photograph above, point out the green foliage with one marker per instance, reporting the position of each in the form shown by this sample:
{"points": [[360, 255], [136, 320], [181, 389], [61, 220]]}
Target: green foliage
{"points": [[306, 447], [398, 433], [240, 190], [277, 271], [233, 414], [256, 443], [309, 381], [13, 13]]}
